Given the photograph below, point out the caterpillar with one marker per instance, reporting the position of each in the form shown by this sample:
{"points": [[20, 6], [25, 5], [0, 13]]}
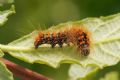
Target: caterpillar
{"points": [[76, 36]]}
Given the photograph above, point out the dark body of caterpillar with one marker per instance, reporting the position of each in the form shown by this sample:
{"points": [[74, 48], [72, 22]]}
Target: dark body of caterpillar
{"points": [[76, 36]]}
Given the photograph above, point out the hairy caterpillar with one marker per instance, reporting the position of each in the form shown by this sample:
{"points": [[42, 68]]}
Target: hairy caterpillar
{"points": [[74, 35]]}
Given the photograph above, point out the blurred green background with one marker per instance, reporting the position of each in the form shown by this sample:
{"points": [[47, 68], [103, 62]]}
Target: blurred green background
{"points": [[36, 14]]}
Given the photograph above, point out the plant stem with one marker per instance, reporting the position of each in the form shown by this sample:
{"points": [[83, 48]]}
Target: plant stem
{"points": [[21, 72]]}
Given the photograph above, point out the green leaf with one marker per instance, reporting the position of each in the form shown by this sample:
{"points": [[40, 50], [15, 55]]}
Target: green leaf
{"points": [[5, 74], [111, 76], [5, 14], [78, 72], [1, 53], [5, 2], [105, 49]]}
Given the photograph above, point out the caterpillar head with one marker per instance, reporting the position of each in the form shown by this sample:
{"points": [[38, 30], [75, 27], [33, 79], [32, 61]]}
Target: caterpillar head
{"points": [[38, 40], [85, 50]]}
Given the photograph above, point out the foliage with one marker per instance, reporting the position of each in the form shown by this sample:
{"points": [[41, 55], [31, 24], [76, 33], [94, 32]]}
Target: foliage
{"points": [[104, 52], [105, 45], [5, 74]]}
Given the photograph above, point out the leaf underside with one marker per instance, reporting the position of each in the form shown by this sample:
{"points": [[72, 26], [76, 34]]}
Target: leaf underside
{"points": [[105, 50]]}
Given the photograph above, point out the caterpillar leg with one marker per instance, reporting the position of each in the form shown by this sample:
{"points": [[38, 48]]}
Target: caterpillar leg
{"points": [[53, 45]]}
